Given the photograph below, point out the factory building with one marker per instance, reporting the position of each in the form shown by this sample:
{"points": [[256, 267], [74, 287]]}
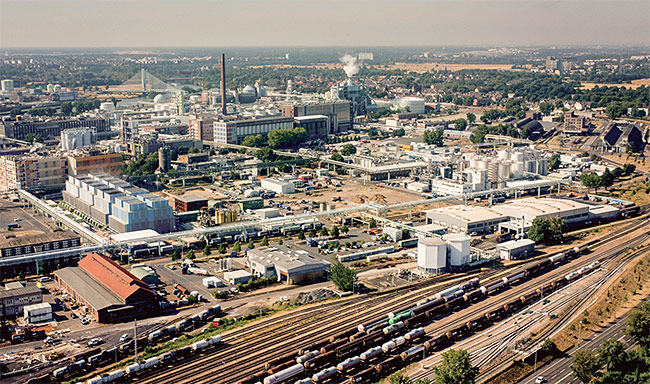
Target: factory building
{"points": [[109, 292], [360, 101], [338, 112], [48, 129], [234, 131], [316, 126], [188, 203], [290, 266], [118, 204], [467, 219], [85, 161], [14, 297], [528, 209], [410, 104]]}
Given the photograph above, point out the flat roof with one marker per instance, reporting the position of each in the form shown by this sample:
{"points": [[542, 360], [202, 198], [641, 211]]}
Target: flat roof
{"points": [[236, 273], [29, 289], [94, 293], [515, 244], [469, 213], [190, 198], [134, 236], [540, 206]]}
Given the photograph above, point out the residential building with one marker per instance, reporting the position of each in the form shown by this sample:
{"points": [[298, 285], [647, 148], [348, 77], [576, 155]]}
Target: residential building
{"points": [[32, 171], [48, 129], [118, 204], [13, 300], [108, 292], [234, 131], [202, 128]]}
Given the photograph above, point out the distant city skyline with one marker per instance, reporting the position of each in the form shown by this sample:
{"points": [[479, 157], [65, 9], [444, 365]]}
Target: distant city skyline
{"points": [[167, 23]]}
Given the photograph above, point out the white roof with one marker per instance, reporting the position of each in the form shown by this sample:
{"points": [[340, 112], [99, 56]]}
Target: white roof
{"points": [[236, 274], [515, 244], [38, 306], [134, 236]]}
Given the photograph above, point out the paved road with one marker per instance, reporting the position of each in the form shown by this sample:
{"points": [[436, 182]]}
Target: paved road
{"points": [[559, 370]]}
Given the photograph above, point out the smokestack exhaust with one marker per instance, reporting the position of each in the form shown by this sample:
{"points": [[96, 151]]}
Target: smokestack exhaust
{"points": [[223, 84]]}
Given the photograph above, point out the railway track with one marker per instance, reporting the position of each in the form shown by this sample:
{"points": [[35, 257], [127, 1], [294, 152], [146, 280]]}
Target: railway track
{"points": [[247, 350]]}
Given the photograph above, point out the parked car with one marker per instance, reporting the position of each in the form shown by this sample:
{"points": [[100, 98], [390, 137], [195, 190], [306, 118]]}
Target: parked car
{"points": [[95, 341], [125, 337]]}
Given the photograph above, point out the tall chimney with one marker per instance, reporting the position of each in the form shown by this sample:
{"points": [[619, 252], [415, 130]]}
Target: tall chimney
{"points": [[223, 83]]}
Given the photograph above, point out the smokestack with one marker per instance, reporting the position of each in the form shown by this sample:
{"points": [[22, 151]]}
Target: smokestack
{"points": [[223, 83]]}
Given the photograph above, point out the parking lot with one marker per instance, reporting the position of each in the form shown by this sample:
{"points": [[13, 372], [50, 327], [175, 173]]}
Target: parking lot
{"points": [[13, 213]]}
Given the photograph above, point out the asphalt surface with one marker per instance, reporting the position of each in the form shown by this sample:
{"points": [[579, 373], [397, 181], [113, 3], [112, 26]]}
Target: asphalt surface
{"points": [[559, 370]]}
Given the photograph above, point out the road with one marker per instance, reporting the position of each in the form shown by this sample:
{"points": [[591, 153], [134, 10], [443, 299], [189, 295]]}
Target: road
{"points": [[559, 370]]}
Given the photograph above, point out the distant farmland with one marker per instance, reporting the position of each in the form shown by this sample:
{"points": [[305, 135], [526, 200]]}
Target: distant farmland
{"points": [[426, 67], [633, 85]]}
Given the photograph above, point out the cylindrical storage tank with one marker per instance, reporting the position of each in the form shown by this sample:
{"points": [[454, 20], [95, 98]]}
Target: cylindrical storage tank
{"points": [[518, 157], [458, 245], [432, 255], [483, 164], [518, 170], [504, 171]]}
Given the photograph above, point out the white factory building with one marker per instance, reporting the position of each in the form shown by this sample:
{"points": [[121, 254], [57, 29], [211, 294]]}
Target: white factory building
{"points": [[288, 265], [278, 186], [467, 219], [451, 253]]}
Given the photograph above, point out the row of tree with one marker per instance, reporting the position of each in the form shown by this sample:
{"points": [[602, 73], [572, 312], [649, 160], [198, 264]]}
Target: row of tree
{"points": [[593, 181], [611, 363]]}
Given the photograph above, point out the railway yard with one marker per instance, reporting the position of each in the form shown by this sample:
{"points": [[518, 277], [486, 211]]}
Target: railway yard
{"points": [[366, 337]]}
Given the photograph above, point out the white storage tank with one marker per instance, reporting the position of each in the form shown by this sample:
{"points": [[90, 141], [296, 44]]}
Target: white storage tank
{"points": [[458, 246], [432, 255]]}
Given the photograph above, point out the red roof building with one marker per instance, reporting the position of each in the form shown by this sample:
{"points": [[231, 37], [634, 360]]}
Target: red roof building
{"points": [[109, 292]]}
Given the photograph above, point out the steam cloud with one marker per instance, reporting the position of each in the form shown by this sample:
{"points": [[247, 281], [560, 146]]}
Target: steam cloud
{"points": [[351, 67]]}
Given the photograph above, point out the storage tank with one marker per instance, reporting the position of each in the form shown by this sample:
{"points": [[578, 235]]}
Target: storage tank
{"points": [[432, 255], [504, 171], [458, 245], [518, 169]]}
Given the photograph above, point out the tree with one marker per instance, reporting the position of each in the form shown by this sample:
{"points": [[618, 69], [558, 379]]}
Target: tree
{"points": [[638, 325], [193, 150], [250, 244], [312, 232], [282, 138], [345, 229], [546, 230], [301, 235], [280, 241], [455, 368], [265, 242], [554, 162], [549, 347], [253, 141], [15, 112], [399, 378], [348, 149], [611, 354], [546, 108], [337, 157], [190, 255], [334, 233], [460, 124], [434, 137], [585, 365], [372, 223], [176, 255], [237, 246], [266, 154], [324, 232], [471, 118], [615, 110], [222, 248], [591, 180], [206, 250], [629, 169], [607, 179], [399, 132], [343, 277], [66, 108]]}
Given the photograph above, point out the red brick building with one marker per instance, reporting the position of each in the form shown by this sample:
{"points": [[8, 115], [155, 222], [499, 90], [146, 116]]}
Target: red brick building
{"points": [[109, 292]]}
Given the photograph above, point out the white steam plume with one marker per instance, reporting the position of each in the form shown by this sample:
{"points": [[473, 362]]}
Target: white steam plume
{"points": [[351, 67]]}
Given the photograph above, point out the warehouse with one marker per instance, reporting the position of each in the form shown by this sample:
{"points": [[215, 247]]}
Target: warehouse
{"points": [[189, 203], [109, 292], [278, 186], [237, 277], [466, 218], [573, 212], [516, 249], [290, 266]]}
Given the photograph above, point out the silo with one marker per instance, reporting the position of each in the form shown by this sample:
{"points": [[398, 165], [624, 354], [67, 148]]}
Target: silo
{"points": [[458, 245], [504, 171], [432, 255]]}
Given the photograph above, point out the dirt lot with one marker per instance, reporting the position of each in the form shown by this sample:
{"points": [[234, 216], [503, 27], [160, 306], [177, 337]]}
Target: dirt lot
{"points": [[633, 85]]}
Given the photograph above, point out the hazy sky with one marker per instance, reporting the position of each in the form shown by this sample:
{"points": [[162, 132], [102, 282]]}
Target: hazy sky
{"points": [[149, 23]]}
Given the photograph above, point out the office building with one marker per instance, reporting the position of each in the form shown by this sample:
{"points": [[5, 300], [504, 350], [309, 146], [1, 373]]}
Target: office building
{"points": [[7, 85], [94, 160], [48, 129], [574, 124], [118, 204], [108, 292], [234, 131], [202, 128]]}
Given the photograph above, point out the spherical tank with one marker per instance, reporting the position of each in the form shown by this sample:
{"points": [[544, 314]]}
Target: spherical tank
{"points": [[458, 245], [432, 255]]}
